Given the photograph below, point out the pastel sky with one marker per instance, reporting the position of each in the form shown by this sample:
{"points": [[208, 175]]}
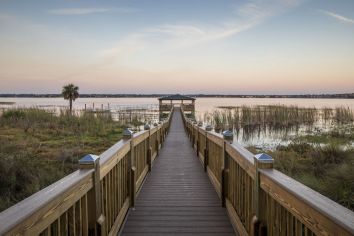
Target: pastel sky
{"points": [[185, 46]]}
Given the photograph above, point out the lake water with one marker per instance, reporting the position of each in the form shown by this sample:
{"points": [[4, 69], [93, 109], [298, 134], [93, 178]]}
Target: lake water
{"points": [[202, 104], [264, 139]]}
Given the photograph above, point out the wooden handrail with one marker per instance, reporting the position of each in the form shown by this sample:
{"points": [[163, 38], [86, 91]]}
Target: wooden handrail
{"points": [[284, 206], [33, 214], [318, 213], [68, 205]]}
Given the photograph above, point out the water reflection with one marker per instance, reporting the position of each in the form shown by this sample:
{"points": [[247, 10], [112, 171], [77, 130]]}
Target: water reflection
{"points": [[267, 127]]}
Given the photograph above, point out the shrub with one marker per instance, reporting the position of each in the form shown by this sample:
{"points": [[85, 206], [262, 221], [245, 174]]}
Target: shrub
{"points": [[38, 147]]}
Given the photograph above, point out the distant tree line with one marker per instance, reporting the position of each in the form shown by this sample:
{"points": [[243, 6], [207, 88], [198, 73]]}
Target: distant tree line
{"points": [[32, 95]]}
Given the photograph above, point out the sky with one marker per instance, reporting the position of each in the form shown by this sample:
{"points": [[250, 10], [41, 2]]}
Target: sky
{"points": [[184, 46]]}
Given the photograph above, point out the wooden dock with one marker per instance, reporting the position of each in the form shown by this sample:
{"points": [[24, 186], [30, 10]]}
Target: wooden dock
{"points": [[177, 197]]}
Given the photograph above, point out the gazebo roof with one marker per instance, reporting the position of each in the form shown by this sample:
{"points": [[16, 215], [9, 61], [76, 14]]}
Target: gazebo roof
{"points": [[176, 97]]}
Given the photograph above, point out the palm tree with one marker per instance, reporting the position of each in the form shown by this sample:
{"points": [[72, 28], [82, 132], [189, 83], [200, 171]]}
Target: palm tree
{"points": [[70, 92]]}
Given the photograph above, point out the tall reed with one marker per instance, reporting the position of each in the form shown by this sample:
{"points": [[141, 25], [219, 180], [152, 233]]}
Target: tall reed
{"points": [[276, 117]]}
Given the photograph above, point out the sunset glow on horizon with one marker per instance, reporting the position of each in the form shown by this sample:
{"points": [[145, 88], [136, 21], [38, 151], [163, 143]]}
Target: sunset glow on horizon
{"points": [[163, 46]]}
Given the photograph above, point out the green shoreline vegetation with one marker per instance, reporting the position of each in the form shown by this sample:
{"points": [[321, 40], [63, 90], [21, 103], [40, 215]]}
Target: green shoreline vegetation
{"points": [[38, 147], [322, 157], [328, 169]]}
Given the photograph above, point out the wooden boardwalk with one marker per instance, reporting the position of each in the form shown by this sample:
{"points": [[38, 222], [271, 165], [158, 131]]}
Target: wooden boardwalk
{"points": [[177, 197]]}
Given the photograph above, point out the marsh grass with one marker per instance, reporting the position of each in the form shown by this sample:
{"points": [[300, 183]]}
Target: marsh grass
{"points": [[327, 169], [343, 115], [38, 147], [277, 117]]}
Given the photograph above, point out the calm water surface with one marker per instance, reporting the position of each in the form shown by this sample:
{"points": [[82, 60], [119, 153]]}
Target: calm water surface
{"points": [[264, 139], [202, 104]]}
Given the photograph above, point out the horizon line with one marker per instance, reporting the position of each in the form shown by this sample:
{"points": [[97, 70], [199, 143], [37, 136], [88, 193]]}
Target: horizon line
{"points": [[163, 94]]}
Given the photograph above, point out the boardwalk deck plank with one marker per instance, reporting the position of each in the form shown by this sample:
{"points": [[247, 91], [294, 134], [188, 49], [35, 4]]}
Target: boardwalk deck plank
{"points": [[177, 197]]}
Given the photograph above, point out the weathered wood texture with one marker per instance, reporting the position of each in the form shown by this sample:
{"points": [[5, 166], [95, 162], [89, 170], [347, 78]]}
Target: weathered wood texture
{"points": [[177, 197]]}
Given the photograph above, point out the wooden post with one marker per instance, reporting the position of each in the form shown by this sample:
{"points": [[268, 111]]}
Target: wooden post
{"points": [[192, 126], [149, 153], [161, 135], [258, 226], [228, 138], [224, 178], [127, 134], [206, 152], [208, 128], [132, 175], [149, 158], [157, 145], [132, 186], [198, 142], [96, 217]]}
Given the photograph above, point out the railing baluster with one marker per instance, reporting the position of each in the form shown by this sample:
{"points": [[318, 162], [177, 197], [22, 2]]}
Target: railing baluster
{"points": [[206, 152], [85, 226]]}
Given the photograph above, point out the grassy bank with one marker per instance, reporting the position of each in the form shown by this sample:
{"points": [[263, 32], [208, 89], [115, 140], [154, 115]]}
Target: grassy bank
{"points": [[37, 148], [328, 169]]}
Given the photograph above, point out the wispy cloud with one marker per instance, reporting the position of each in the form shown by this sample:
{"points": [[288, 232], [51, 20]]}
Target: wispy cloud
{"points": [[173, 36], [338, 17], [176, 30], [85, 11]]}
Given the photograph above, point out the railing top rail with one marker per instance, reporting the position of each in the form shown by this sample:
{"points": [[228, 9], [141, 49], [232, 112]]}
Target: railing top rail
{"points": [[113, 150], [23, 210], [242, 156], [112, 155], [153, 130], [215, 138], [140, 136], [247, 155], [326, 207]]}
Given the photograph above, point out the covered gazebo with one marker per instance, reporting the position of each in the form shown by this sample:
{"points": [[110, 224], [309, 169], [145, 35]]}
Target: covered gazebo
{"points": [[166, 103]]}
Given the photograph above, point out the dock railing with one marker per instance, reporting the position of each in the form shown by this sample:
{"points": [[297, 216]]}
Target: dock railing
{"points": [[259, 199], [95, 199]]}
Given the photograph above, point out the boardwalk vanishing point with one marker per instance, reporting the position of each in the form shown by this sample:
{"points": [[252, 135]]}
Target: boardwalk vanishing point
{"points": [[177, 198]]}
